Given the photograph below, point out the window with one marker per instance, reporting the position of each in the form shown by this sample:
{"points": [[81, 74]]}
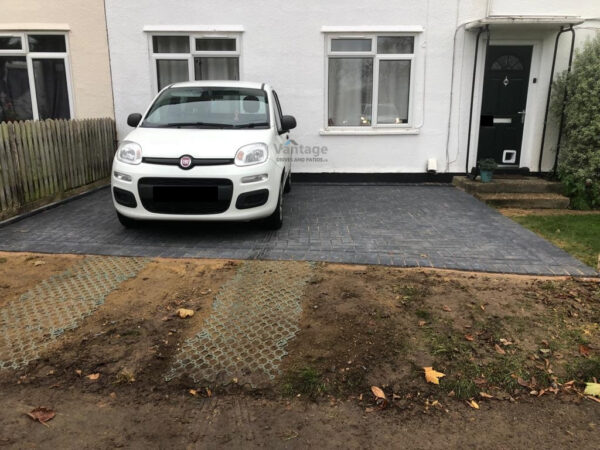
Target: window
{"points": [[186, 57], [369, 80], [507, 62], [34, 81]]}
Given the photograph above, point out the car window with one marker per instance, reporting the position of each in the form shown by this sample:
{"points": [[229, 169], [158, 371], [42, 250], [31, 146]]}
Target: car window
{"points": [[209, 107], [278, 113]]}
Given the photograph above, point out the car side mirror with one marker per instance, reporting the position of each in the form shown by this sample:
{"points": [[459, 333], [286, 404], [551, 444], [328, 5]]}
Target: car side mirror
{"points": [[133, 120], [288, 123]]}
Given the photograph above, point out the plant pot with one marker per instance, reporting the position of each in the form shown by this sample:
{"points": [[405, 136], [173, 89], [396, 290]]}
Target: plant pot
{"points": [[486, 176]]}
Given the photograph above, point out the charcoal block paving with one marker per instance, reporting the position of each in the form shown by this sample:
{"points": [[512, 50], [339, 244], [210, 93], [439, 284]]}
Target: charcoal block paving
{"points": [[401, 225]]}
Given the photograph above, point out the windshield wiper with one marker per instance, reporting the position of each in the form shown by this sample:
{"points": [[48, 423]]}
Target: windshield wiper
{"points": [[251, 125], [196, 124]]}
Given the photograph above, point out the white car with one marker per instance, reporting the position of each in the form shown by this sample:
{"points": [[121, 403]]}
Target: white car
{"points": [[208, 151]]}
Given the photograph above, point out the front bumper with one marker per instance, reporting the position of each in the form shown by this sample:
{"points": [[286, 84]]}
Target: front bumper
{"points": [[154, 187]]}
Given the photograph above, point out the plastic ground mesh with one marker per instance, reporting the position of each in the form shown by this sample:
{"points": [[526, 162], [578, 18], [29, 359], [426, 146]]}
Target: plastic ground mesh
{"points": [[254, 316], [60, 303]]}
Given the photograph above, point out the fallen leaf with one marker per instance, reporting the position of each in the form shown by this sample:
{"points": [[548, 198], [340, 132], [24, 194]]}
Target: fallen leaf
{"points": [[93, 376], [523, 383], [113, 395], [41, 414], [377, 392], [592, 389], [432, 376], [473, 404], [184, 313], [39, 263], [78, 372], [482, 307], [499, 349], [446, 308], [208, 392], [193, 392], [125, 376], [584, 350], [422, 323], [485, 395], [469, 337]]}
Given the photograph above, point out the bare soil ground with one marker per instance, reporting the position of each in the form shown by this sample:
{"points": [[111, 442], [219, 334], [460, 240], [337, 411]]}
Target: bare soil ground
{"points": [[520, 347]]}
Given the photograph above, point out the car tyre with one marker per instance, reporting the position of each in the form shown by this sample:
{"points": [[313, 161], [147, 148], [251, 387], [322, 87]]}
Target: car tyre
{"points": [[127, 222], [288, 184], [275, 220]]}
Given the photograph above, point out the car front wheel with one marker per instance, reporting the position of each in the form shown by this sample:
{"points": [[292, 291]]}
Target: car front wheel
{"points": [[127, 222], [275, 220], [288, 184]]}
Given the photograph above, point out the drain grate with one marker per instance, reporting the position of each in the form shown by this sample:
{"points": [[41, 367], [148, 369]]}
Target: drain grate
{"points": [[255, 315], [58, 304]]}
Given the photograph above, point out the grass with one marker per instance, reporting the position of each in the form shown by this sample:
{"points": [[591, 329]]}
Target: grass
{"points": [[584, 369], [577, 234], [304, 381]]}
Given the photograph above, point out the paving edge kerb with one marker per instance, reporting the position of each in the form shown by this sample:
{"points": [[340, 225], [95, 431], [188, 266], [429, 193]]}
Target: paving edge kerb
{"points": [[52, 205]]}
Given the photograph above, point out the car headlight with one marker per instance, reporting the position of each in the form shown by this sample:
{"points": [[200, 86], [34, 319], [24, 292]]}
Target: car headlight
{"points": [[129, 153], [251, 154]]}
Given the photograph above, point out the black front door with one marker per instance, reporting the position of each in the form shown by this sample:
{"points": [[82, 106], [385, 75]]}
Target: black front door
{"points": [[505, 84]]}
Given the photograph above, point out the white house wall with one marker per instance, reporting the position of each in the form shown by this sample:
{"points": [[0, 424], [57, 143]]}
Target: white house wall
{"points": [[283, 44]]}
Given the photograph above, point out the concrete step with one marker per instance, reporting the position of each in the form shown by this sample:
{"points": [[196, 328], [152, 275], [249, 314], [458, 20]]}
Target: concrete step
{"points": [[507, 184], [524, 201]]}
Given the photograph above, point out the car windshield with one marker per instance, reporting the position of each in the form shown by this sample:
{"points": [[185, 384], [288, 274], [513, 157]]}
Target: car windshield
{"points": [[209, 107]]}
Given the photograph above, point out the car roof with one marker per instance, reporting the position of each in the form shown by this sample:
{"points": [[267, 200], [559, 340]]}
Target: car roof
{"points": [[217, 83]]}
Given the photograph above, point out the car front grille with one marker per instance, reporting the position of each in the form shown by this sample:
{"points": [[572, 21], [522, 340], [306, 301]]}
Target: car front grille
{"points": [[185, 195]]}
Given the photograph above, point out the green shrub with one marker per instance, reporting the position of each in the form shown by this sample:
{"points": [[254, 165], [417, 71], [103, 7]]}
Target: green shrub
{"points": [[579, 158]]}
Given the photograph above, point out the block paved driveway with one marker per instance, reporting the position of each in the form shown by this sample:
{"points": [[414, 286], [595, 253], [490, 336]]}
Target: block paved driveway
{"points": [[402, 225]]}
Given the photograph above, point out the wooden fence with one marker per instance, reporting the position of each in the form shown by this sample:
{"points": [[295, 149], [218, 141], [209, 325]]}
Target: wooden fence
{"points": [[42, 161]]}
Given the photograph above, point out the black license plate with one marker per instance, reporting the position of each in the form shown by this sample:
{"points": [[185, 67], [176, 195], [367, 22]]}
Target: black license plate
{"points": [[185, 194]]}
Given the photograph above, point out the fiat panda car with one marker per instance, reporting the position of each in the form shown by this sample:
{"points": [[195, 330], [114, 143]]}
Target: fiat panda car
{"points": [[205, 151]]}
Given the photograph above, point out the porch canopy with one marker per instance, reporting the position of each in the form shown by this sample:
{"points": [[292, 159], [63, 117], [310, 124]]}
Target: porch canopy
{"points": [[546, 24], [529, 21]]}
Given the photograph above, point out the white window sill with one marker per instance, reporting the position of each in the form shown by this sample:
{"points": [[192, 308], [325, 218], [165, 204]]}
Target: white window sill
{"points": [[193, 28], [369, 132], [373, 29], [35, 27]]}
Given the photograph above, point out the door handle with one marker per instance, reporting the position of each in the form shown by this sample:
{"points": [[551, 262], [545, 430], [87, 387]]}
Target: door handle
{"points": [[522, 113]]}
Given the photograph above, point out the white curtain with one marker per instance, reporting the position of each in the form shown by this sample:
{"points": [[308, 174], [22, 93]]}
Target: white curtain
{"points": [[213, 68], [171, 71], [394, 88], [350, 90]]}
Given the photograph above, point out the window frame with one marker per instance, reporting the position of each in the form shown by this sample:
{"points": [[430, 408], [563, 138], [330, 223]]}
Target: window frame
{"points": [[30, 56], [189, 57], [377, 58]]}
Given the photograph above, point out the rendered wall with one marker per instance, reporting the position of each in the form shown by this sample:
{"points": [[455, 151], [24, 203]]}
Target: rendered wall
{"points": [[283, 44], [88, 46]]}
